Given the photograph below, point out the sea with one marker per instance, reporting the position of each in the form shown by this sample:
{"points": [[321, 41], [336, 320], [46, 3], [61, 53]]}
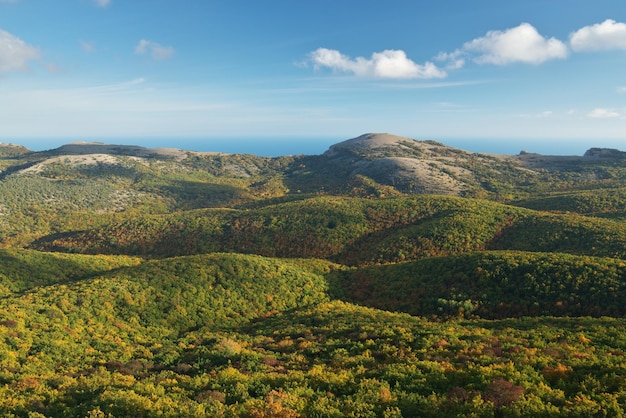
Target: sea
{"points": [[282, 146]]}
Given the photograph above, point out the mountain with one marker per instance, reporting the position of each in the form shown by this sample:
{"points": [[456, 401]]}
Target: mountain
{"points": [[386, 277], [82, 185], [415, 166], [373, 164]]}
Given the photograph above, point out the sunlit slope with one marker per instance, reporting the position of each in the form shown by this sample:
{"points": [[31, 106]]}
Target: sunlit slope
{"points": [[82, 186], [233, 334], [177, 293], [493, 285], [329, 359], [22, 270], [132, 321], [352, 231], [608, 203]]}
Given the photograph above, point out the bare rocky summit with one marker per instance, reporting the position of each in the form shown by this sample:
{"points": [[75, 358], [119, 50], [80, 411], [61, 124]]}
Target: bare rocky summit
{"points": [[416, 166]]}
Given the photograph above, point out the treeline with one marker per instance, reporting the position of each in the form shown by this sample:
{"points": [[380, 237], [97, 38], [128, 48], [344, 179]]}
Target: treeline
{"points": [[47, 201]]}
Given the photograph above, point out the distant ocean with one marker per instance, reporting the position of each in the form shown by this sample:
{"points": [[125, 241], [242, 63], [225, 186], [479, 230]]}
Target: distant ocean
{"points": [[274, 147]]}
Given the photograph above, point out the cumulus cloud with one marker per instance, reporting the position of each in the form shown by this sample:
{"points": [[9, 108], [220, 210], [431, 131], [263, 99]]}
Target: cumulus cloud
{"points": [[455, 60], [386, 64], [155, 50], [103, 3], [601, 36], [522, 43], [601, 113], [15, 53]]}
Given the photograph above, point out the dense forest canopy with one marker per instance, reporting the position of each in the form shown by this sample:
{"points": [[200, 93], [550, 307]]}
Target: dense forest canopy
{"points": [[387, 277]]}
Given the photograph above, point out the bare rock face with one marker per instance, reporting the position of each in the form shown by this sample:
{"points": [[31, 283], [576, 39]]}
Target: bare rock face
{"points": [[372, 144], [409, 165]]}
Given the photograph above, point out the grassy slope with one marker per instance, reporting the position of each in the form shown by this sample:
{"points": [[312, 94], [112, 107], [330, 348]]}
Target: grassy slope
{"points": [[608, 203]]}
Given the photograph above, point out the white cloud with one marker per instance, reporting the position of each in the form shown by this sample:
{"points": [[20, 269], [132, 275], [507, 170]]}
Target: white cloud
{"points": [[621, 90], [519, 44], [15, 53], [156, 51], [455, 59], [386, 64], [601, 113], [601, 36], [103, 3]]}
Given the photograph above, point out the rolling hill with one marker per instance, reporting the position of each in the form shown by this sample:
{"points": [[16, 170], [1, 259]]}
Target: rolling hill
{"points": [[386, 277]]}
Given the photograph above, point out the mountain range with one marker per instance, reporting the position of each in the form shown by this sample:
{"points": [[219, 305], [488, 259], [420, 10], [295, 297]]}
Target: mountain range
{"points": [[384, 277]]}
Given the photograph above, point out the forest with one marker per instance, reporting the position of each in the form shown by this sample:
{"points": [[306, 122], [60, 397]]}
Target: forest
{"points": [[386, 277]]}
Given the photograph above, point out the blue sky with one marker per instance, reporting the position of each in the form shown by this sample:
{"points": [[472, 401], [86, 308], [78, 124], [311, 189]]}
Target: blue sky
{"points": [[531, 71]]}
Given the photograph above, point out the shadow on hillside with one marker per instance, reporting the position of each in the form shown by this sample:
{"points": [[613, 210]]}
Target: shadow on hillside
{"points": [[196, 195], [315, 174], [58, 242]]}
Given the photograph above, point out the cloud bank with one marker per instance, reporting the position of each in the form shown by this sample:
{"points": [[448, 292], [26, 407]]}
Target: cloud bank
{"points": [[391, 64], [601, 36], [15, 53], [155, 50]]}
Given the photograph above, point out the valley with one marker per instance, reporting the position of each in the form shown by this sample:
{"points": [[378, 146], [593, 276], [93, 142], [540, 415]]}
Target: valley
{"points": [[386, 277]]}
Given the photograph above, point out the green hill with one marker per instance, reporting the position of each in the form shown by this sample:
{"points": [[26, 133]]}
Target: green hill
{"points": [[75, 351], [22, 270], [493, 285], [607, 203], [351, 231], [387, 277]]}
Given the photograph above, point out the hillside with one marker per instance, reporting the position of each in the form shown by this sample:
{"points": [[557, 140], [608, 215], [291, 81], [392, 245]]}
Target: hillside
{"points": [[234, 335], [493, 285], [80, 185], [350, 231], [386, 277]]}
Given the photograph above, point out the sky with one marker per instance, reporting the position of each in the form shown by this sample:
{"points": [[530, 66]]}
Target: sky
{"points": [[531, 73]]}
